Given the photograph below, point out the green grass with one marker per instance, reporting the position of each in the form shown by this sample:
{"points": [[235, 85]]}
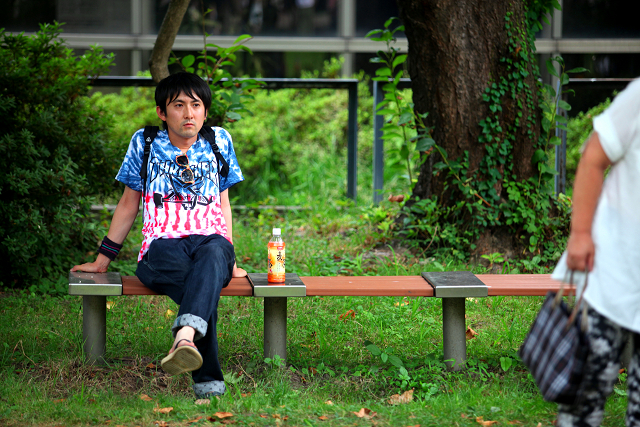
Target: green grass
{"points": [[44, 381]]}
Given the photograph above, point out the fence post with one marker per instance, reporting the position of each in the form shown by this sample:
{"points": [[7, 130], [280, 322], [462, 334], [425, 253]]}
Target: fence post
{"points": [[352, 143], [378, 146]]}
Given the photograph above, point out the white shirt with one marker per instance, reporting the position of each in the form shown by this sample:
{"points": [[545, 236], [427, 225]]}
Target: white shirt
{"points": [[613, 289]]}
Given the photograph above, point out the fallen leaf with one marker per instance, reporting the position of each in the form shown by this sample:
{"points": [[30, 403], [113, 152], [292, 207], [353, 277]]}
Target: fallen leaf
{"points": [[163, 410], [328, 402], [223, 414], [484, 423], [203, 402], [323, 418], [145, 398], [399, 198], [151, 366], [264, 416], [110, 304], [169, 313], [162, 424], [59, 400], [365, 413], [245, 394], [514, 422], [405, 397], [464, 416], [349, 314], [195, 420], [471, 334], [621, 371]]}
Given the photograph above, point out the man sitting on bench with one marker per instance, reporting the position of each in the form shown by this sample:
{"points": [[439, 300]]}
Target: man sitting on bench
{"points": [[183, 173]]}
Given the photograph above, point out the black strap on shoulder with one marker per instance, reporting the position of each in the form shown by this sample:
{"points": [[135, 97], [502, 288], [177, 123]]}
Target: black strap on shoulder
{"points": [[208, 134], [150, 133]]}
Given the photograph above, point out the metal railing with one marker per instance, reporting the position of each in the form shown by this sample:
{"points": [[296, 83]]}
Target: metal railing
{"points": [[276, 83]]}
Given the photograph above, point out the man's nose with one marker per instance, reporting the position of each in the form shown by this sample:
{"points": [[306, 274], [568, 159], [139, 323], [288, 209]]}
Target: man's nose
{"points": [[188, 112]]}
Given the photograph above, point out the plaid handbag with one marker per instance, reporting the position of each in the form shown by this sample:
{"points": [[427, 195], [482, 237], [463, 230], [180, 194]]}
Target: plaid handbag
{"points": [[556, 348]]}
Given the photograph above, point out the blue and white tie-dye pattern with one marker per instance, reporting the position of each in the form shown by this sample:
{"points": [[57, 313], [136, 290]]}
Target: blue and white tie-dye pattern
{"points": [[173, 208]]}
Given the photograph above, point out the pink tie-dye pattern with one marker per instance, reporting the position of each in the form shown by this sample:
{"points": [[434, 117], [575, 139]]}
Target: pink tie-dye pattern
{"points": [[203, 220]]}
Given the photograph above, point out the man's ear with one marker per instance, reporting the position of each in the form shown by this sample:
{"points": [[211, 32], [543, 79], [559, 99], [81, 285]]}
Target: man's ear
{"points": [[161, 114]]}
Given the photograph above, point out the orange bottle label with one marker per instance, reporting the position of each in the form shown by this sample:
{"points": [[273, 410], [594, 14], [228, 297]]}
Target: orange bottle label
{"points": [[276, 257]]}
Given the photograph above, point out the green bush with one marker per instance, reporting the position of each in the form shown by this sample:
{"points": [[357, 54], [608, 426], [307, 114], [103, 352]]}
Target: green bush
{"points": [[53, 156], [578, 130], [131, 109]]}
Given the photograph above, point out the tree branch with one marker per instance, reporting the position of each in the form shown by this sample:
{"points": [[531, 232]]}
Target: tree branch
{"points": [[158, 63]]}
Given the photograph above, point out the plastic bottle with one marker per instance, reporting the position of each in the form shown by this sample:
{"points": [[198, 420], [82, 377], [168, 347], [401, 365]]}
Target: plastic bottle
{"points": [[276, 258]]}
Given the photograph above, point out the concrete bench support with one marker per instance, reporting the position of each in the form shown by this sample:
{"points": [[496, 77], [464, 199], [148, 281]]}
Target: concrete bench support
{"points": [[94, 288], [275, 327], [454, 287], [275, 309], [454, 340], [94, 327]]}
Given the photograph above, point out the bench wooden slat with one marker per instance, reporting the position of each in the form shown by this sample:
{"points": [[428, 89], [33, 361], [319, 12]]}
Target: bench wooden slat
{"points": [[519, 284], [498, 284], [412, 286], [239, 286]]}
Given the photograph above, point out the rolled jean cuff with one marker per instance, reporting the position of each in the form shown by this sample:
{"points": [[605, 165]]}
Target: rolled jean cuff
{"points": [[192, 320], [209, 389]]}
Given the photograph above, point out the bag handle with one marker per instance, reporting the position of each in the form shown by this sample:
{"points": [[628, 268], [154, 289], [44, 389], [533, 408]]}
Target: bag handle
{"points": [[574, 312]]}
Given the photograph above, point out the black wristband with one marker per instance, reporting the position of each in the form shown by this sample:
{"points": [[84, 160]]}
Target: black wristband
{"points": [[109, 248]]}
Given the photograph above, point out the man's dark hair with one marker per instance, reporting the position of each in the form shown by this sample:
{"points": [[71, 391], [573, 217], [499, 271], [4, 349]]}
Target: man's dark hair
{"points": [[170, 87]]}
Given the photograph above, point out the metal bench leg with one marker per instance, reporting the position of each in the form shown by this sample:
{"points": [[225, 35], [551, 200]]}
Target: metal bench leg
{"points": [[275, 327], [453, 333], [94, 327]]}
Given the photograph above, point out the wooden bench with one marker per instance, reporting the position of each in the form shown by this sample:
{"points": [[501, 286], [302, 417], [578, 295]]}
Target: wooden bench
{"points": [[453, 295]]}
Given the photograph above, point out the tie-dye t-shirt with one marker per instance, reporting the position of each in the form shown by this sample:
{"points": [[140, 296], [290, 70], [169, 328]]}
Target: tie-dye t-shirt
{"points": [[173, 208]]}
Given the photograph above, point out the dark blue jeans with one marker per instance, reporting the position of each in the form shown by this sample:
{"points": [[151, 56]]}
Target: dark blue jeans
{"points": [[192, 271]]}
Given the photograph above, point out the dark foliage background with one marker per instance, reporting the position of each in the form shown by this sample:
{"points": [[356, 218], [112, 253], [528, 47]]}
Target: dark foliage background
{"points": [[53, 156]]}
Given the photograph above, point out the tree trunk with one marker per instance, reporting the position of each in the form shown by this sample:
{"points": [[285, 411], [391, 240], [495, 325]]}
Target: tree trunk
{"points": [[158, 63], [455, 52]]}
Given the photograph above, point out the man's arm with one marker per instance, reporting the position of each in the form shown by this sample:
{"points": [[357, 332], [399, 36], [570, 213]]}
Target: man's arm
{"points": [[228, 219], [123, 218], [586, 192]]}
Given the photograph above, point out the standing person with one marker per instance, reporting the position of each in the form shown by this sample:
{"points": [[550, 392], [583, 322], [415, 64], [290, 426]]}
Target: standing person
{"points": [[187, 252], [605, 228]]}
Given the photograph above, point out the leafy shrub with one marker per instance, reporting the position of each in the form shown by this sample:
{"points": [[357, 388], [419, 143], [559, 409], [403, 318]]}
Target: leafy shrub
{"points": [[578, 130], [129, 110], [53, 156]]}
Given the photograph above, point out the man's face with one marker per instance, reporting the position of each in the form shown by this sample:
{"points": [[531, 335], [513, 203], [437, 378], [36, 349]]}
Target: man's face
{"points": [[184, 117]]}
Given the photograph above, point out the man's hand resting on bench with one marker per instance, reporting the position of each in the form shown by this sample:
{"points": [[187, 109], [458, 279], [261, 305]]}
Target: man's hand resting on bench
{"points": [[100, 265], [238, 272]]}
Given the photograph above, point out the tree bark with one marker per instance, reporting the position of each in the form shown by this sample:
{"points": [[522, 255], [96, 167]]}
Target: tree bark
{"points": [[158, 63], [455, 48]]}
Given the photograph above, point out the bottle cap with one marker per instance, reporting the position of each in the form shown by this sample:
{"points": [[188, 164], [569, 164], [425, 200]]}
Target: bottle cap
{"points": [[276, 231]]}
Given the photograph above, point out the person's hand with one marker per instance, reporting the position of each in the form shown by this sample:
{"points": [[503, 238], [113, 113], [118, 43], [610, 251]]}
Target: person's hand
{"points": [[238, 272], [100, 265], [580, 251]]}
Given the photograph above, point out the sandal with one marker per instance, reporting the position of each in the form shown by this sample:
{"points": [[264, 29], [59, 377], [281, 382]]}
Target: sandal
{"points": [[182, 359]]}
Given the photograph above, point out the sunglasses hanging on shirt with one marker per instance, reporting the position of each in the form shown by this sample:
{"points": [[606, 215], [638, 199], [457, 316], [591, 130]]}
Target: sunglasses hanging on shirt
{"points": [[186, 174]]}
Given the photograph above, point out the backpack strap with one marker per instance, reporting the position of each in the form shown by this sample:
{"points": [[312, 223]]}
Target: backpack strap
{"points": [[208, 134], [150, 133]]}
